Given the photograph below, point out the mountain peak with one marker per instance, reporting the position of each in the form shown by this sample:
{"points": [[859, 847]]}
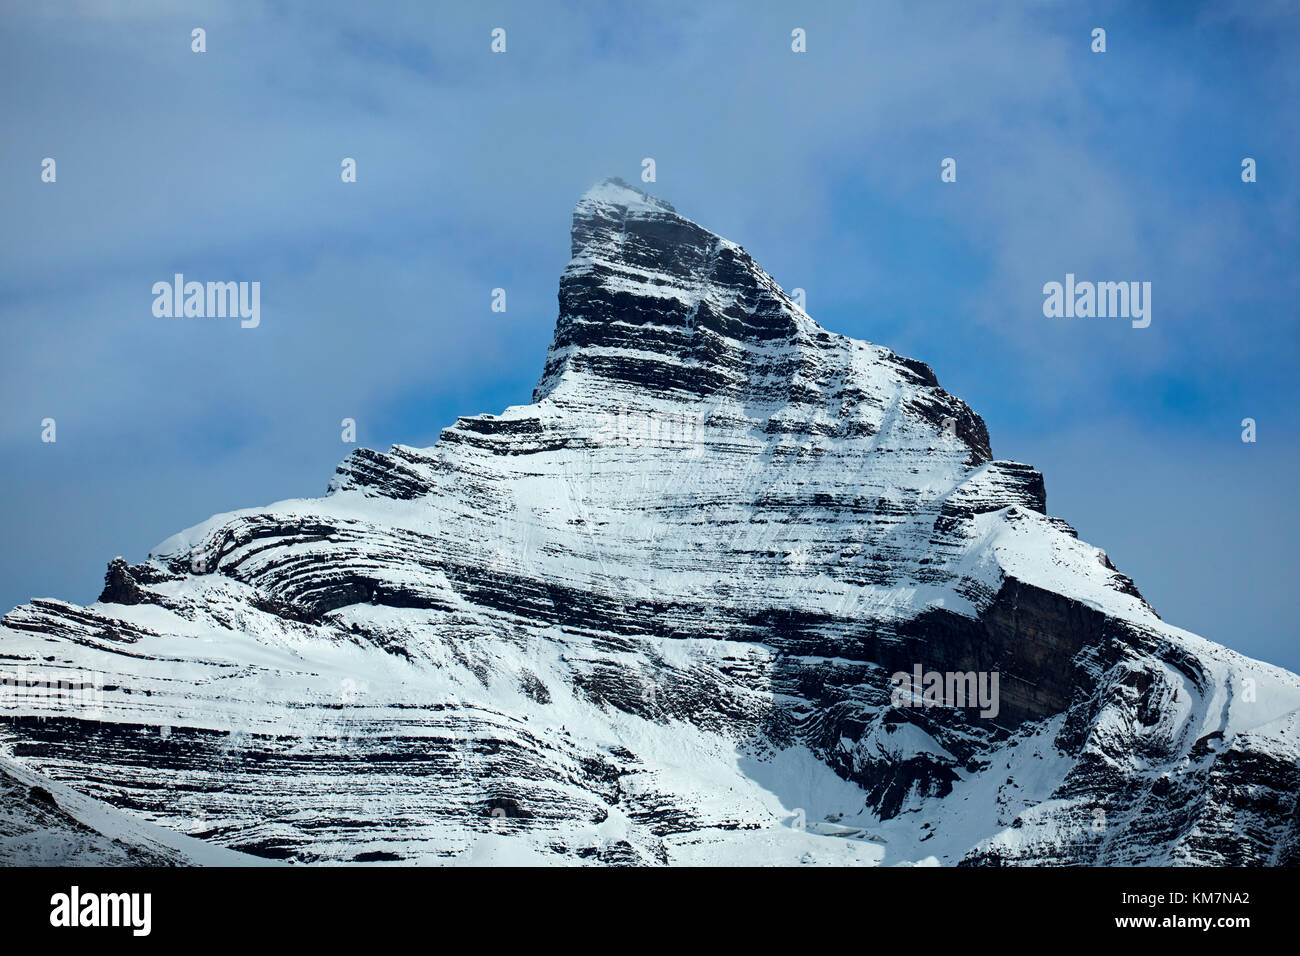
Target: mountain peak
{"points": [[653, 300], [614, 192], [654, 307]]}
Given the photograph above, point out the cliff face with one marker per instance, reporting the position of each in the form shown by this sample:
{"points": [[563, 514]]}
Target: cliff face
{"points": [[652, 617]]}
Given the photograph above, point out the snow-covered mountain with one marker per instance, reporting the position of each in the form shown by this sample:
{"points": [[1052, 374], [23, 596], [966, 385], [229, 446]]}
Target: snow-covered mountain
{"points": [[652, 616]]}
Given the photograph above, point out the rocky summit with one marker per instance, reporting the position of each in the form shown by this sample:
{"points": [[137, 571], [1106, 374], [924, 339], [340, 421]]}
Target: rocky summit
{"points": [[654, 617]]}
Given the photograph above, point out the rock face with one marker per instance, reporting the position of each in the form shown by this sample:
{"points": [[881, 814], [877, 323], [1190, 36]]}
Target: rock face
{"points": [[38, 828], [652, 617]]}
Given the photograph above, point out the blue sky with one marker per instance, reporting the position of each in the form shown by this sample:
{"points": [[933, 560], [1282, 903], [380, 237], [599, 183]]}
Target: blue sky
{"points": [[824, 165]]}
